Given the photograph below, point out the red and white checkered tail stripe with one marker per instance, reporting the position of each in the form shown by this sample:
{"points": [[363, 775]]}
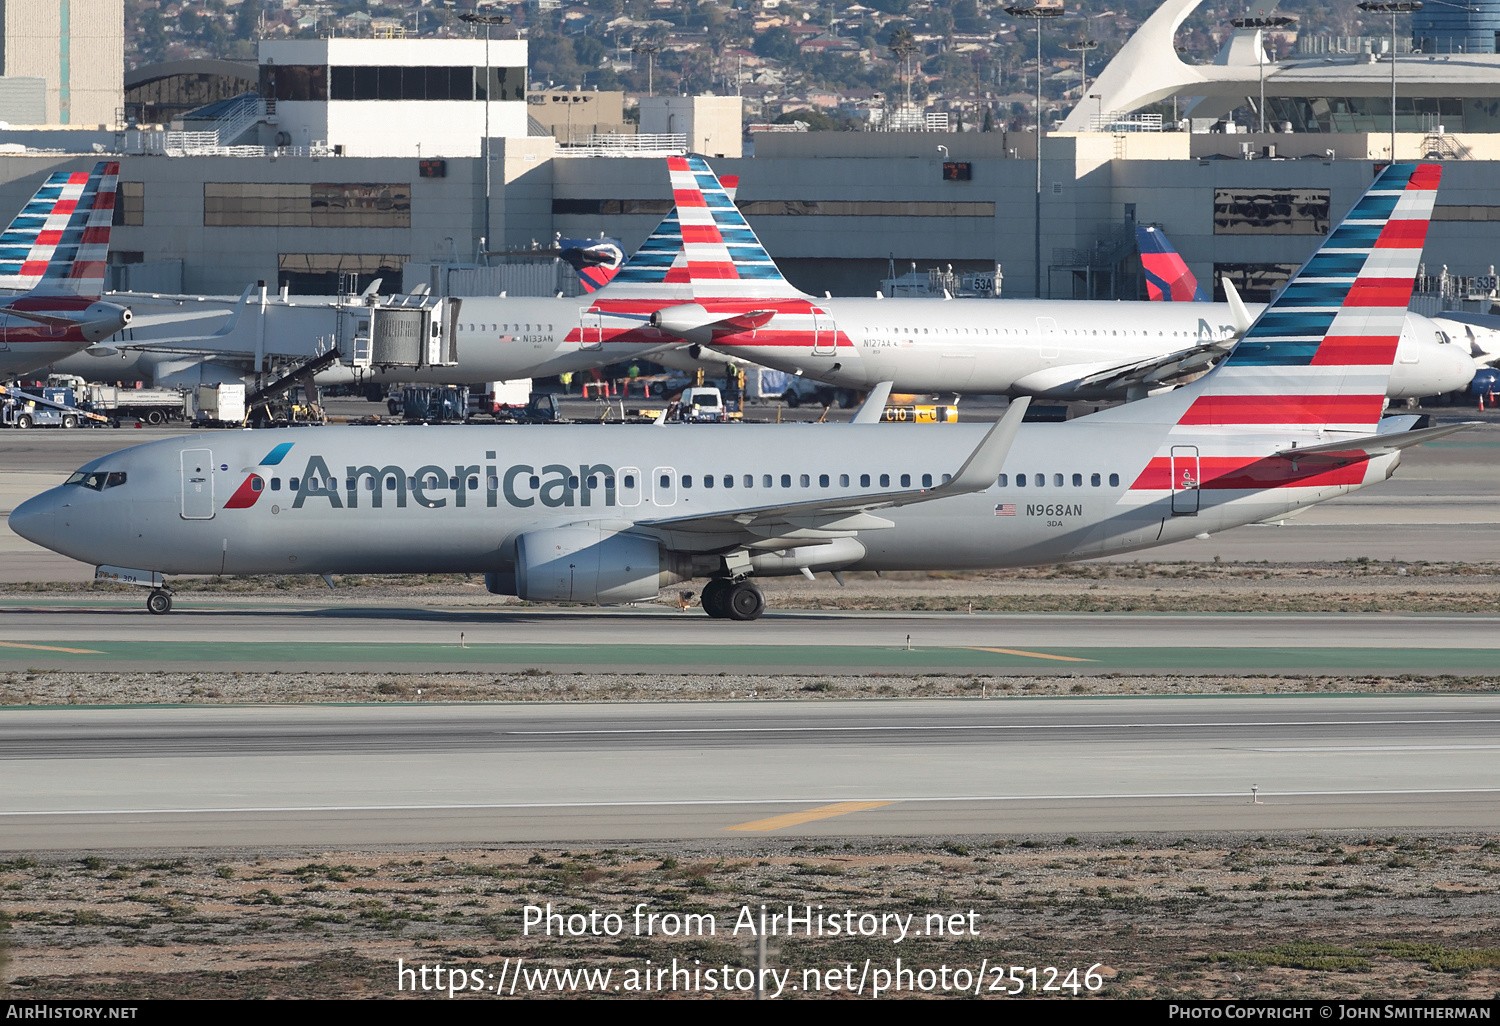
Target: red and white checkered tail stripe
{"points": [[1321, 353]]}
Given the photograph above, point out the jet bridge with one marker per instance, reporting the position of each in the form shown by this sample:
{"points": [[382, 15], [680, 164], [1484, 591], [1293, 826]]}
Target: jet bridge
{"points": [[408, 331]]}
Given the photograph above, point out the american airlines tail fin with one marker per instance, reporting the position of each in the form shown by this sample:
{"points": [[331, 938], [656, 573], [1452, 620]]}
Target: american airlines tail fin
{"points": [[659, 269], [58, 245], [1319, 356], [1167, 276], [724, 258]]}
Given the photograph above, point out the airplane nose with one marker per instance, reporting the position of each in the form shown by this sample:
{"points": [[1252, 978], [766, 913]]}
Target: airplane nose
{"points": [[36, 519], [1463, 369]]}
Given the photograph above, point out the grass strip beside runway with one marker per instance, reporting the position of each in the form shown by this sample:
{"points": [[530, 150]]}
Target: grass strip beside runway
{"points": [[752, 658]]}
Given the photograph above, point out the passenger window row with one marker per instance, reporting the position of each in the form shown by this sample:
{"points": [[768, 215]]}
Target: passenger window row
{"points": [[98, 481], [801, 480], [1058, 480]]}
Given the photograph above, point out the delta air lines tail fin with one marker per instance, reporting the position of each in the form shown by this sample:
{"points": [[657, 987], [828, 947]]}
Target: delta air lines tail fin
{"points": [[58, 245], [1167, 276]]}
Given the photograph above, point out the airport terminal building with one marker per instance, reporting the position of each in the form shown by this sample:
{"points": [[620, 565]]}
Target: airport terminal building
{"points": [[360, 157]]}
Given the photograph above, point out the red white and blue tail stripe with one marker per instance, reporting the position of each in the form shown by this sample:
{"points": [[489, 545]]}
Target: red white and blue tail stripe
{"points": [[1321, 353], [724, 258], [661, 260], [1313, 368], [59, 243]]}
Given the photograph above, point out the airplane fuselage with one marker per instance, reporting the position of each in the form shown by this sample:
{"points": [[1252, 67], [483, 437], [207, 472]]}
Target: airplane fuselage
{"points": [[1033, 347], [412, 500]]}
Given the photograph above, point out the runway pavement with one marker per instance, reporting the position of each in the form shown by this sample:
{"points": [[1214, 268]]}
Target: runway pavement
{"points": [[379, 775], [203, 633]]}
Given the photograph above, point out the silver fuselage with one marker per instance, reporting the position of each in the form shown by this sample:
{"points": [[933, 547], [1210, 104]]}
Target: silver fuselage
{"points": [[455, 499]]}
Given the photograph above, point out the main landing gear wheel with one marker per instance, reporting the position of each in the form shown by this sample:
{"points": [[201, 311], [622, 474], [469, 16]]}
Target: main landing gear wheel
{"points": [[744, 601], [715, 598], [159, 602]]}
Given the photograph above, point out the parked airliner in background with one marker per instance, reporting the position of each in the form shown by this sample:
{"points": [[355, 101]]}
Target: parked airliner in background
{"points": [[743, 307], [54, 254], [612, 514]]}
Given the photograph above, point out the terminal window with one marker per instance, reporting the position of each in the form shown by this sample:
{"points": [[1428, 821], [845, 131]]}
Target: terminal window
{"points": [[1256, 283], [389, 82], [326, 274], [307, 205], [130, 204], [1271, 212]]}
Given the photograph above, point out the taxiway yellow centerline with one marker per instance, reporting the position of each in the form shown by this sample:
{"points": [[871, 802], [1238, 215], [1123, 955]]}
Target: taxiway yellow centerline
{"points": [[51, 648], [1031, 655], [808, 815]]}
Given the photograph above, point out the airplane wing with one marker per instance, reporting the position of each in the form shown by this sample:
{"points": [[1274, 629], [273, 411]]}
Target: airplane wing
{"points": [[840, 517], [51, 321], [1166, 369]]}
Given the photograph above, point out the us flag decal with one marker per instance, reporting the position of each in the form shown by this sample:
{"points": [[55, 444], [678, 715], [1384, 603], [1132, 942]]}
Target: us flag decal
{"points": [[1005, 509]]}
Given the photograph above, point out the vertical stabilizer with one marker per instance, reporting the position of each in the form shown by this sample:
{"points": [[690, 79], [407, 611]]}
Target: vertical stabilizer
{"points": [[1321, 353], [59, 243], [1167, 276], [725, 260]]}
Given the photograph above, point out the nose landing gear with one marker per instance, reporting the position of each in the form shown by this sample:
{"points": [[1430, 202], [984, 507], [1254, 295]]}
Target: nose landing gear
{"points": [[724, 599], [159, 602]]}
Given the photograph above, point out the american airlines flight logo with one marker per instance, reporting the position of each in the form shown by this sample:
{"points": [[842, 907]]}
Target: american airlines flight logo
{"points": [[249, 490], [520, 485]]}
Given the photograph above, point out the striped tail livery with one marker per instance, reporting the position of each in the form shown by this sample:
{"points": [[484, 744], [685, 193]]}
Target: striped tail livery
{"points": [[55, 253], [1307, 382]]}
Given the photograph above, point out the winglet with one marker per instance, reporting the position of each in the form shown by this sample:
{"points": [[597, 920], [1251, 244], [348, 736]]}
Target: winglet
{"points": [[874, 404], [983, 465], [1237, 310]]}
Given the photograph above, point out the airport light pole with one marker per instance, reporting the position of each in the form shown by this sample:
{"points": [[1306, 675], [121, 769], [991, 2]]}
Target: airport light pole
{"points": [[904, 51], [1260, 24], [1038, 14], [487, 20], [1082, 47], [1393, 8], [649, 50]]}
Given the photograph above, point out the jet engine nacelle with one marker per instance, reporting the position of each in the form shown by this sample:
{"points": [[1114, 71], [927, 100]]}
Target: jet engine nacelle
{"points": [[101, 320], [587, 564], [688, 321]]}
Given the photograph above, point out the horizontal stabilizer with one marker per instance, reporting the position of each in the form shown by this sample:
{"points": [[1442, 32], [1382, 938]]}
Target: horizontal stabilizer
{"points": [[1370, 446]]}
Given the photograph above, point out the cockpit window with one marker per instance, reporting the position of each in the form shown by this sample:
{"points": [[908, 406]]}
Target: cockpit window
{"points": [[98, 480]]}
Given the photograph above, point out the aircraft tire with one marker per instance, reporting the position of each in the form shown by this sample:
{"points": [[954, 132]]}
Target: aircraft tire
{"points": [[744, 601], [714, 598], [159, 602]]}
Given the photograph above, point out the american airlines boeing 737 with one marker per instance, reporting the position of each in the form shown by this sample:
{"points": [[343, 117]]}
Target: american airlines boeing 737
{"points": [[1290, 418]]}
